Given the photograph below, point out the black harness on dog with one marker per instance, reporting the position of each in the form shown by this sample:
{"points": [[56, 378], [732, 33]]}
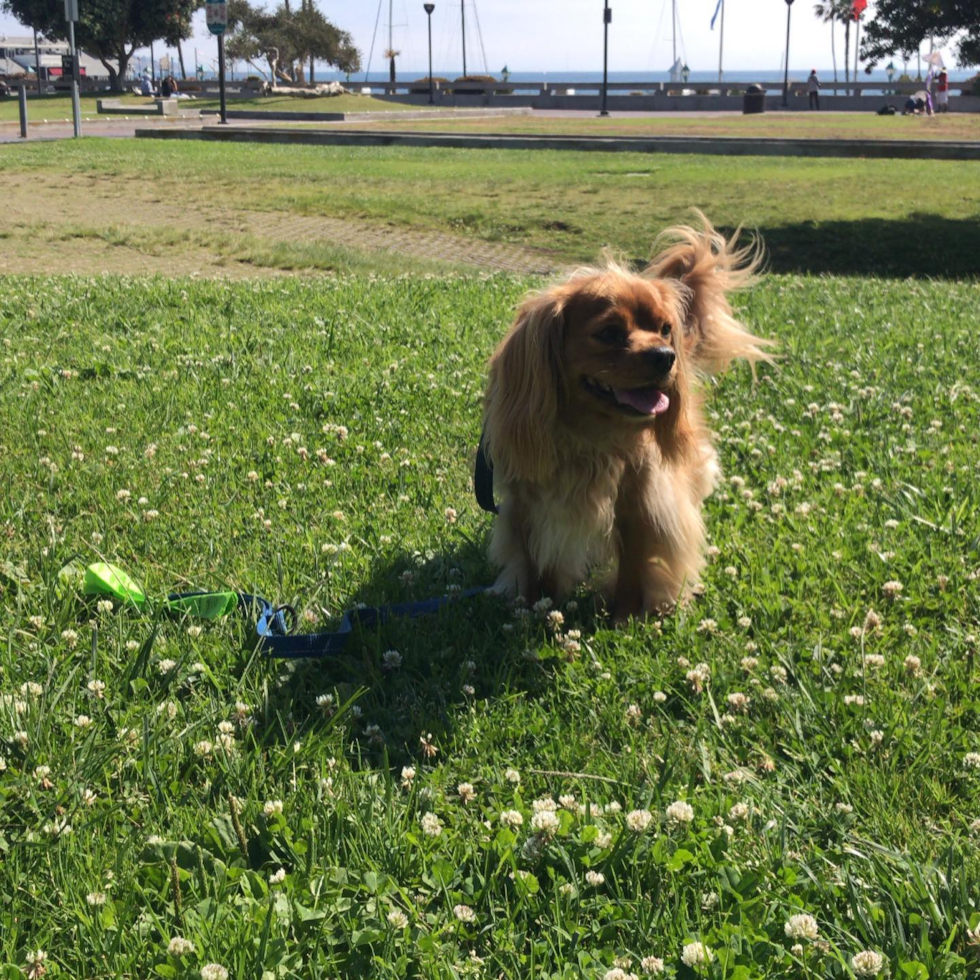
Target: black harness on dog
{"points": [[483, 477]]}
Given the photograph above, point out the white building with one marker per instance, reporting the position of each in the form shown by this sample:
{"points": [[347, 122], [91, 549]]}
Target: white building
{"points": [[17, 55]]}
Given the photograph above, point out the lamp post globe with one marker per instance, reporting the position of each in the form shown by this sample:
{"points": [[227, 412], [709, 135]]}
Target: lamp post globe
{"points": [[685, 74], [428, 8], [890, 70]]}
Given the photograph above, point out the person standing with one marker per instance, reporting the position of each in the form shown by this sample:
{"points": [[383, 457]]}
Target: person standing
{"points": [[942, 92], [813, 88]]}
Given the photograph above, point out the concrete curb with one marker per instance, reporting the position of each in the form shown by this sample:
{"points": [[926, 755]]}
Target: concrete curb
{"points": [[408, 115], [713, 145]]}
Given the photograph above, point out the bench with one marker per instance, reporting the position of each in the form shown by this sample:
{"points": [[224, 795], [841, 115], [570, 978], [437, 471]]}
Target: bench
{"points": [[160, 107]]}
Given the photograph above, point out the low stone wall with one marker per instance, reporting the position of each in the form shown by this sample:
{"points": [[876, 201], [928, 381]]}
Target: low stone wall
{"points": [[160, 107], [398, 115], [679, 103]]}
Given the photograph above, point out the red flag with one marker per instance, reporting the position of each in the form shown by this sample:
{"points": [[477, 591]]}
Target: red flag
{"points": [[858, 6]]}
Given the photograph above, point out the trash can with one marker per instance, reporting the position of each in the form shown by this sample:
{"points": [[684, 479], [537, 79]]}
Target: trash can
{"points": [[754, 100]]}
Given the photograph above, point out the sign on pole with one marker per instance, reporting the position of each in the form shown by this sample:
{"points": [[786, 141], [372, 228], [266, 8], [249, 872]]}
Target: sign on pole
{"points": [[216, 13], [71, 10]]}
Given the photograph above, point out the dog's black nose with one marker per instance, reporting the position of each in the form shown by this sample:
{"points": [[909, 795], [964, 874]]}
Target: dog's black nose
{"points": [[660, 359]]}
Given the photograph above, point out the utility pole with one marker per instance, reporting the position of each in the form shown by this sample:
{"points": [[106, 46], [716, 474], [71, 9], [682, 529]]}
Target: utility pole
{"points": [[462, 13], [37, 65], [721, 42], [606, 21]]}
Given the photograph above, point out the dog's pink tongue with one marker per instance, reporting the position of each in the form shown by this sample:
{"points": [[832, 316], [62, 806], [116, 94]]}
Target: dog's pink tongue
{"points": [[649, 401]]}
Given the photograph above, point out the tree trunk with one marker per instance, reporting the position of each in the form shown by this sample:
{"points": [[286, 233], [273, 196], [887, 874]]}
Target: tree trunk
{"points": [[833, 49], [180, 58], [312, 79], [391, 70], [847, 56]]}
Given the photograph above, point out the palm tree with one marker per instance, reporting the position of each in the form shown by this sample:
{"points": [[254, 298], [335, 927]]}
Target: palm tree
{"points": [[832, 12]]}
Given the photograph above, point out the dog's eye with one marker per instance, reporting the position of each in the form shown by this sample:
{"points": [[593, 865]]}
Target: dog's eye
{"points": [[665, 330], [611, 335]]}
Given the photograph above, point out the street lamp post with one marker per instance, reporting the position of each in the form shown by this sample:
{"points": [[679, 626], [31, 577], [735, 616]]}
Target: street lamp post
{"points": [[789, 11], [429, 7], [685, 74], [606, 21], [890, 70]]}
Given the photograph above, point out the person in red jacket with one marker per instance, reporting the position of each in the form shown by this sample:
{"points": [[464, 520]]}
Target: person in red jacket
{"points": [[942, 92]]}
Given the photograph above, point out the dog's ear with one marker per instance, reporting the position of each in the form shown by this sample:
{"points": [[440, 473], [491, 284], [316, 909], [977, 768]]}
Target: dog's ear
{"points": [[709, 267], [525, 389]]}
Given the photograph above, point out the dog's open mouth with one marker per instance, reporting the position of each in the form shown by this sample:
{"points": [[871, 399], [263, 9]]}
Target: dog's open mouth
{"points": [[646, 401]]}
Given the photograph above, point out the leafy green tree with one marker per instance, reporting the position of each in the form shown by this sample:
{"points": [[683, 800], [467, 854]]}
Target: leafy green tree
{"points": [[110, 30], [902, 26], [287, 39]]}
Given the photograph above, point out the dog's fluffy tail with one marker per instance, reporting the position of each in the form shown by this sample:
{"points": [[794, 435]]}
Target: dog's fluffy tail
{"points": [[710, 266]]}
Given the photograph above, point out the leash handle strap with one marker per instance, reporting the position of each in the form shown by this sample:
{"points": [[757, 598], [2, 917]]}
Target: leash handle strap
{"points": [[271, 631]]}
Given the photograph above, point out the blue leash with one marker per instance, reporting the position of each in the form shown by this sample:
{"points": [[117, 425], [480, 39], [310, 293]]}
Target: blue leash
{"points": [[274, 624], [273, 634]]}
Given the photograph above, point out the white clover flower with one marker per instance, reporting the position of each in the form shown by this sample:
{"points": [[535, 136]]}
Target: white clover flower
{"points": [[801, 926], [96, 687], [680, 812], [659, 697], [272, 807], [639, 820], [95, 898], [325, 702], [20, 739], [972, 760], [104, 606], [466, 792], [738, 701], [544, 803], [567, 802], [178, 946], [277, 877], [617, 973], [194, 632], [213, 971], [739, 811], [391, 660], [88, 798], [604, 840], [696, 955], [203, 748], [512, 818], [652, 965], [431, 824], [83, 721], [464, 913], [408, 774], [398, 919], [744, 622], [166, 666], [867, 963], [545, 822], [892, 589], [594, 878]]}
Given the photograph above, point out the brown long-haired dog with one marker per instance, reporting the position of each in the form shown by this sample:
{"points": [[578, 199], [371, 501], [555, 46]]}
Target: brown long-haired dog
{"points": [[593, 423]]}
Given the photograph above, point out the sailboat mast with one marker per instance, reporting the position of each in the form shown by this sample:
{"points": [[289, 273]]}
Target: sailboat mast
{"points": [[462, 14], [673, 8], [391, 42]]}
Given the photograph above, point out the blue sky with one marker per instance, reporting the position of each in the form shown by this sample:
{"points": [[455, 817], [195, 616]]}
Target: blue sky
{"points": [[561, 35]]}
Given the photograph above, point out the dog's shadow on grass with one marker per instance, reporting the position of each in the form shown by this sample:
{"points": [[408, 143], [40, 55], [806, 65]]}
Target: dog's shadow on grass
{"points": [[410, 676]]}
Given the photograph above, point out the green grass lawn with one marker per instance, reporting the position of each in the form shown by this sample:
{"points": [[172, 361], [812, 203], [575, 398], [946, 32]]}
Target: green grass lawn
{"points": [[58, 106], [311, 441], [871, 217], [794, 125]]}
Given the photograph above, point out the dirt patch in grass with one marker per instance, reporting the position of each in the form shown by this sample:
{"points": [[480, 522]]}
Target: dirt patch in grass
{"points": [[92, 224]]}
